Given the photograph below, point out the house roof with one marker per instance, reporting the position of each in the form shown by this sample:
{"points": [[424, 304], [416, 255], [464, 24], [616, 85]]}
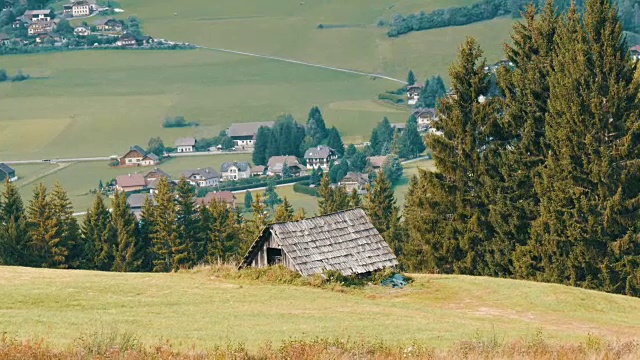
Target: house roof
{"points": [[377, 161], [280, 160], [105, 21], [152, 156], [128, 36], [258, 169], [138, 149], [4, 37], [356, 177], [414, 87], [137, 200], [242, 166], [220, 196], [345, 241], [37, 12], [424, 111], [318, 152], [206, 173], [6, 168], [80, 3], [185, 141], [160, 172], [130, 180], [247, 129]]}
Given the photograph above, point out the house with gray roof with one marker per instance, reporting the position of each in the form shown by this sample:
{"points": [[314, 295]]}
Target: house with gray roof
{"points": [[235, 170], [244, 134], [204, 177], [185, 144], [136, 202], [137, 156], [276, 165], [345, 241], [320, 157]]}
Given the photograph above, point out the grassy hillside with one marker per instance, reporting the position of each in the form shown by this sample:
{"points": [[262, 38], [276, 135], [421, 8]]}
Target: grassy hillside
{"points": [[200, 308]]}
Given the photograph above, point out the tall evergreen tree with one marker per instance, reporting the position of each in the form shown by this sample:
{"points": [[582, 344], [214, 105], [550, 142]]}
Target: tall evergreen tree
{"points": [[411, 78], [187, 221], [331, 199], [129, 253], [248, 200], [284, 212], [301, 214], [44, 244], [169, 252], [13, 227], [411, 143], [223, 243], [98, 246], [354, 199], [433, 90], [146, 228], [255, 225], [334, 141], [68, 231], [392, 169], [381, 138], [261, 145], [271, 198], [445, 214], [316, 128]]}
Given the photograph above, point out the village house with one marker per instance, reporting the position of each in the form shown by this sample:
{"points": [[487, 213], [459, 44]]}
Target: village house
{"points": [[136, 202], [106, 25], [425, 117], [346, 242], [223, 197], [67, 9], [376, 162], [320, 157], [137, 156], [127, 39], [80, 8], [413, 94], [37, 15], [41, 28], [81, 31], [130, 182], [7, 172], [152, 178], [17, 24], [202, 177], [44, 38], [276, 164], [235, 170], [186, 144], [258, 170], [5, 39], [244, 134], [354, 180]]}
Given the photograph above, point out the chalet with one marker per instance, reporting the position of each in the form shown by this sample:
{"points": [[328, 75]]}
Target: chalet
{"points": [[376, 162], [81, 31], [136, 202], [413, 94], [320, 157], [223, 197], [354, 180], [67, 9], [235, 170], [202, 177], [41, 27], [5, 39], [156, 174], [130, 182], [244, 134], [258, 170], [127, 39], [187, 144], [37, 15], [276, 164], [137, 156], [108, 25], [80, 8], [7, 172], [425, 117], [346, 242]]}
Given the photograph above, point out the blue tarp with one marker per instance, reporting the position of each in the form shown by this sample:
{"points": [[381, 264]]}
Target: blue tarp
{"points": [[396, 281]]}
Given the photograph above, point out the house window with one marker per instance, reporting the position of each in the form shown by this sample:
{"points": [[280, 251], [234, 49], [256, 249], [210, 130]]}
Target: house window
{"points": [[274, 256]]}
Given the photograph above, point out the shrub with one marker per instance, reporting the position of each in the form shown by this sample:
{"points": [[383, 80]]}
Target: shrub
{"points": [[302, 187], [177, 121], [396, 99]]}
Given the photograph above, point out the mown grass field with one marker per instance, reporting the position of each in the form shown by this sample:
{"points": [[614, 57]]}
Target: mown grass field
{"points": [[202, 309]]}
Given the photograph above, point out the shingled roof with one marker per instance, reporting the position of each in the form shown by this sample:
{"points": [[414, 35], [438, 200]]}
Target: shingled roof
{"points": [[247, 129], [345, 241]]}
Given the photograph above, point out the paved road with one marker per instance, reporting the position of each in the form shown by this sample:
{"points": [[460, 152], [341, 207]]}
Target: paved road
{"points": [[380, 76], [107, 158]]}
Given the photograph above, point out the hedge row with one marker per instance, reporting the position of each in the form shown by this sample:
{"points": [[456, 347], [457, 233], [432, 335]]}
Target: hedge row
{"points": [[302, 187], [263, 184]]}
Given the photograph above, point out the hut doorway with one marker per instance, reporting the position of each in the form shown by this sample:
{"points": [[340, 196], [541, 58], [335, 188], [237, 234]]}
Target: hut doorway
{"points": [[274, 256]]}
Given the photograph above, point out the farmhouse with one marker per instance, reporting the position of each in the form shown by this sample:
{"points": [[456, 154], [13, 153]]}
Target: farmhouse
{"points": [[127, 40], [7, 172], [37, 15], [258, 170], [130, 182], [5, 39], [108, 25], [80, 8], [345, 241], [136, 202], [376, 162], [202, 177], [354, 180], [223, 197], [67, 9], [425, 117], [156, 174], [187, 144], [319, 157], [41, 27], [276, 164], [413, 94], [81, 31], [235, 170], [136, 156], [244, 134]]}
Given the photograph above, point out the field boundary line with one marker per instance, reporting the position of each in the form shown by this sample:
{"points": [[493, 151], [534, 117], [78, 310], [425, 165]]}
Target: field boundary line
{"points": [[357, 72], [60, 166]]}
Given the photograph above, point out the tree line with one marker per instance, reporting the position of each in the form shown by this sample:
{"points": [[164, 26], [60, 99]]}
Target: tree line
{"points": [[541, 183]]}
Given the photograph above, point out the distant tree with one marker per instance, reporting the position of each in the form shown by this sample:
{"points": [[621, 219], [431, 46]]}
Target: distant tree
{"points": [[68, 231], [338, 170], [334, 141], [433, 90], [13, 227], [248, 200], [381, 137], [286, 171], [392, 169], [98, 239], [316, 128], [156, 146], [255, 225], [129, 252], [64, 28], [263, 136], [354, 199], [284, 212], [187, 221], [351, 150], [411, 78], [271, 196], [358, 162], [226, 143], [411, 143], [3, 75], [331, 200], [316, 176]]}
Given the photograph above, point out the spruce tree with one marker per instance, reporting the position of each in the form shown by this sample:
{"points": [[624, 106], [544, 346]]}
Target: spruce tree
{"points": [[301, 214], [255, 225], [44, 244], [169, 252], [445, 213], [13, 227], [68, 231], [411, 143], [222, 231], [271, 198], [325, 201], [411, 78], [316, 128], [354, 199], [248, 200], [261, 145], [334, 141], [98, 246], [284, 212], [187, 221], [146, 228], [129, 253]]}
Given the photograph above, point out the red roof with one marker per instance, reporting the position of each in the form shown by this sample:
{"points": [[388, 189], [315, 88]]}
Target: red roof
{"points": [[220, 196], [130, 180]]}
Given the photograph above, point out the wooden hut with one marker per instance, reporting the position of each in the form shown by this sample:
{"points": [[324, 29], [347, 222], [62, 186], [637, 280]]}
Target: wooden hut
{"points": [[345, 241]]}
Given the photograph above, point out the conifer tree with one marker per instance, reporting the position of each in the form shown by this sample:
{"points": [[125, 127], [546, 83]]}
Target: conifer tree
{"points": [[187, 221], [261, 145], [271, 196], [129, 253], [411, 78], [98, 246], [169, 252], [380, 203], [68, 231], [316, 128], [445, 214], [354, 199], [334, 141], [331, 200], [411, 143], [13, 227], [146, 228], [255, 225], [301, 214], [223, 233], [284, 212], [248, 200], [44, 244]]}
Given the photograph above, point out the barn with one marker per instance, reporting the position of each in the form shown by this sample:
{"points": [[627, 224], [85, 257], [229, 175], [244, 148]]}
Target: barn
{"points": [[345, 241]]}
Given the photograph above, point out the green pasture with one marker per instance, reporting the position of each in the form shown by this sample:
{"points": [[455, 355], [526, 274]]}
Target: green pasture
{"points": [[297, 200], [203, 309]]}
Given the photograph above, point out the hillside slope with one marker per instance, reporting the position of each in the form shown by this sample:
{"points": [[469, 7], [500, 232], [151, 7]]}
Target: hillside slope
{"points": [[198, 308]]}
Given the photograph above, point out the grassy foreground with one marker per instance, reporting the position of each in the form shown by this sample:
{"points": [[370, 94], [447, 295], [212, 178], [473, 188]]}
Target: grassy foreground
{"points": [[206, 308]]}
